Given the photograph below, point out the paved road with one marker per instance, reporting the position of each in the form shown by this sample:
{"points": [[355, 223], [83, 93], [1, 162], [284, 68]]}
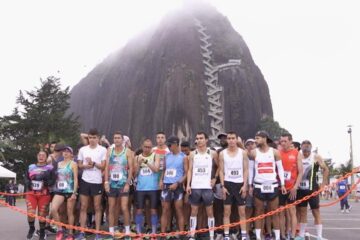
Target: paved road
{"points": [[13, 225]]}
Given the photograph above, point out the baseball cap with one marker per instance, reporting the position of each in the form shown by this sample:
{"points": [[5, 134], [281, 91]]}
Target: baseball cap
{"points": [[69, 149], [249, 141], [173, 140], [264, 134], [222, 134]]}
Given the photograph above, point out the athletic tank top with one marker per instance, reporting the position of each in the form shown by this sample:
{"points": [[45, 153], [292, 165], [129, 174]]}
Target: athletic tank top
{"points": [[202, 167], [147, 180], [342, 186], [289, 162], [265, 167], [174, 168], [310, 169], [118, 168], [65, 179], [39, 176], [233, 166]]}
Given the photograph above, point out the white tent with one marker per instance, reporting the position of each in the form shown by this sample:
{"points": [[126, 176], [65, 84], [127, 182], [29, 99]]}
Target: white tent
{"points": [[6, 173]]}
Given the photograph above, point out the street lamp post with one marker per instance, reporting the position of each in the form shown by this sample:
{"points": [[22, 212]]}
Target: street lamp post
{"points": [[351, 154]]}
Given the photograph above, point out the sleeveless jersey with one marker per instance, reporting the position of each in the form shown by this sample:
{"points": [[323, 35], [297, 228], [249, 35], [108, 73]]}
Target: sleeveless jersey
{"points": [[289, 162], [265, 167], [174, 167], [310, 169], [233, 166], [118, 168], [342, 186], [147, 180], [39, 176], [201, 172], [65, 179]]}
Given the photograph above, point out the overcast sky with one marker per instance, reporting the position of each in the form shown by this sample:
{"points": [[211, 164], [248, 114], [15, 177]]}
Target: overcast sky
{"points": [[308, 52]]}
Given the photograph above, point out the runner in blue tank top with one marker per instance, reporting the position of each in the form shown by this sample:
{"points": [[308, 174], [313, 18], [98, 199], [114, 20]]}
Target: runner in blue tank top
{"points": [[146, 167], [118, 175], [172, 179], [342, 188]]}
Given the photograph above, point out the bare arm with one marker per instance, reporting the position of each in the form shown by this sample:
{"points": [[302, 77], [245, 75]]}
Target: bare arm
{"points": [[189, 172], [325, 169], [221, 168], [245, 168], [107, 159], [300, 170], [186, 167], [75, 171], [156, 166], [130, 157]]}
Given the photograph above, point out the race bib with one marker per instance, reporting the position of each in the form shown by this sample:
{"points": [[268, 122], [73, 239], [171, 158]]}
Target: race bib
{"points": [[287, 175], [62, 185], [145, 171], [170, 173], [235, 173], [201, 171], [12, 191], [37, 185], [342, 187], [116, 175], [304, 184], [267, 188]]}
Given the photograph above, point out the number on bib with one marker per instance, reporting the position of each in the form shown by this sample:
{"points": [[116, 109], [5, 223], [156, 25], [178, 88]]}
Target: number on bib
{"points": [[145, 172], [62, 185], [170, 173], [116, 176], [287, 175], [235, 173], [267, 188], [304, 184], [342, 187], [37, 185]]}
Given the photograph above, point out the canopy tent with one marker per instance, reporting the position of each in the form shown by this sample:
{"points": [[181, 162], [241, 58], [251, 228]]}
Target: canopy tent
{"points": [[6, 173]]}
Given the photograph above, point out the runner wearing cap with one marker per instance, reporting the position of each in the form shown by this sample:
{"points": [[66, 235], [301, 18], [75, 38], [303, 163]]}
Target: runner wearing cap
{"points": [[293, 170], [118, 176], [91, 160], [201, 180], [312, 162], [171, 183], [65, 191], [233, 170], [265, 186]]}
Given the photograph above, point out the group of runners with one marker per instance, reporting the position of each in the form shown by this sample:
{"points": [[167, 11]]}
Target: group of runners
{"points": [[170, 186]]}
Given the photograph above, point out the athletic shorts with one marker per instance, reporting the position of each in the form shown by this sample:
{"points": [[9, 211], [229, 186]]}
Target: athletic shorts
{"points": [[167, 195], [38, 201], [90, 189], [265, 196], [234, 196], [142, 195], [118, 192], [199, 196], [285, 199], [314, 202], [65, 195]]}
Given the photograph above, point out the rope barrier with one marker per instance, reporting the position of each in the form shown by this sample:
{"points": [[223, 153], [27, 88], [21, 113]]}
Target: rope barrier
{"points": [[120, 235]]}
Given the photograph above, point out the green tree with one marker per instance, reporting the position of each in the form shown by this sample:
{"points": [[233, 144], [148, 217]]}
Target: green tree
{"points": [[272, 127], [40, 118]]}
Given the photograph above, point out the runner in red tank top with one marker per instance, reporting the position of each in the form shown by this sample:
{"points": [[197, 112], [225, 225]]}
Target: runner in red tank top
{"points": [[293, 171]]}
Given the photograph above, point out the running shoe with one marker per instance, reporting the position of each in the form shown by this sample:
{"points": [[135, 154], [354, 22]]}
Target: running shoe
{"points": [[226, 238], [299, 238], [30, 234], [50, 229], [59, 235], [69, 237], [42, 235], [98, 237], [218, 236], [268, 237], [80, 236]]}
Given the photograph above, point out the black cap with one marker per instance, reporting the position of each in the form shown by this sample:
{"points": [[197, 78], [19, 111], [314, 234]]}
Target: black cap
{"points": [[264, 134], [220, 135], [173, 140], [59, 147]]}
